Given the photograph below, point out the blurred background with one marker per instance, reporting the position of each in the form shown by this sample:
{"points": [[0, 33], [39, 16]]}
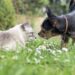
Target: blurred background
{"points": [[13, 12]]}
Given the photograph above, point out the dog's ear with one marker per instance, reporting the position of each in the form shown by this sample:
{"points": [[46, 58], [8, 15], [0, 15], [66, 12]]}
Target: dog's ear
{"points": [[26, 27], [51, 16], [49, 12]]}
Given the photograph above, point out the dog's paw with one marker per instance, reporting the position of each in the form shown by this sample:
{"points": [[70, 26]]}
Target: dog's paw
{"points": [[65, 49]]}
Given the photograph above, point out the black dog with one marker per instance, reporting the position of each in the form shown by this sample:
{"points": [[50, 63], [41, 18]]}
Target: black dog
{"points": [[72, 6], [63, 25]]}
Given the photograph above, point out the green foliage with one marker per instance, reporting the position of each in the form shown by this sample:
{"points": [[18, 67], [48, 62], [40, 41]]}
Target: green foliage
{"points": [[59, 6], [40, 57], [35, 6], [29, 6], [7, 14]]}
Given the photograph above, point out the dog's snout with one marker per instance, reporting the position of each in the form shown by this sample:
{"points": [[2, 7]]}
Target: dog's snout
{"points": [[40, 34]]}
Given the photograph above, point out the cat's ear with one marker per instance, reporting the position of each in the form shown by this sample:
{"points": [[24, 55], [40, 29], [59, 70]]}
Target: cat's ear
{"points": [[26, 27]]}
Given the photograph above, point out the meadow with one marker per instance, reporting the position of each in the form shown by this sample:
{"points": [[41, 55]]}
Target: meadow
{"points": [[39, 57]]}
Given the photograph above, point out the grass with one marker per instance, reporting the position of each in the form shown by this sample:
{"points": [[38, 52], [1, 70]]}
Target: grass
{"points": [[40, 57]]}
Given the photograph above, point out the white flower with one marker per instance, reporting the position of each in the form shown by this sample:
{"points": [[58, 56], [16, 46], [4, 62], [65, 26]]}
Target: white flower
{"points": [[37, 61], [38, 51], [41, 57], [59, 51], [30, 50], [2, 56], [45, 42], [43, 47], [49, 49], [15, 57], [53, 52], [65, 49]]}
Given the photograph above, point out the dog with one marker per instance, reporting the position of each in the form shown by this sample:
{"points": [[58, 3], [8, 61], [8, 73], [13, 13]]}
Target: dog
{"points": [[16, 36], [63, 25], [72, 6]]}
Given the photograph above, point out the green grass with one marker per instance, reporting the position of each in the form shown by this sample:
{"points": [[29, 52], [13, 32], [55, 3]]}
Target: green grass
{"points": [[40, 57]]}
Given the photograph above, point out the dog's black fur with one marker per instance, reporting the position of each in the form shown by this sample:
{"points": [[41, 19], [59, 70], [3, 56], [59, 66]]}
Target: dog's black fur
{"points": [[72, 6], [56, 25]]}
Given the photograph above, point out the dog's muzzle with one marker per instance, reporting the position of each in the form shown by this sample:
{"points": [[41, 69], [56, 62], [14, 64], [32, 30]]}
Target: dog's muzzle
{"points": [[41, 35]]}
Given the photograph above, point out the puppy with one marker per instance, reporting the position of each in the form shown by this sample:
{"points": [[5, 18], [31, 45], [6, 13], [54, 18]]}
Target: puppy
{"points": [[63, 25], [16, 36]]}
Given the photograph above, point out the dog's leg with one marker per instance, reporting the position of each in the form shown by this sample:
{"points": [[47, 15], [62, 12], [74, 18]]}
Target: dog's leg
{"points": [[64, 41]]}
